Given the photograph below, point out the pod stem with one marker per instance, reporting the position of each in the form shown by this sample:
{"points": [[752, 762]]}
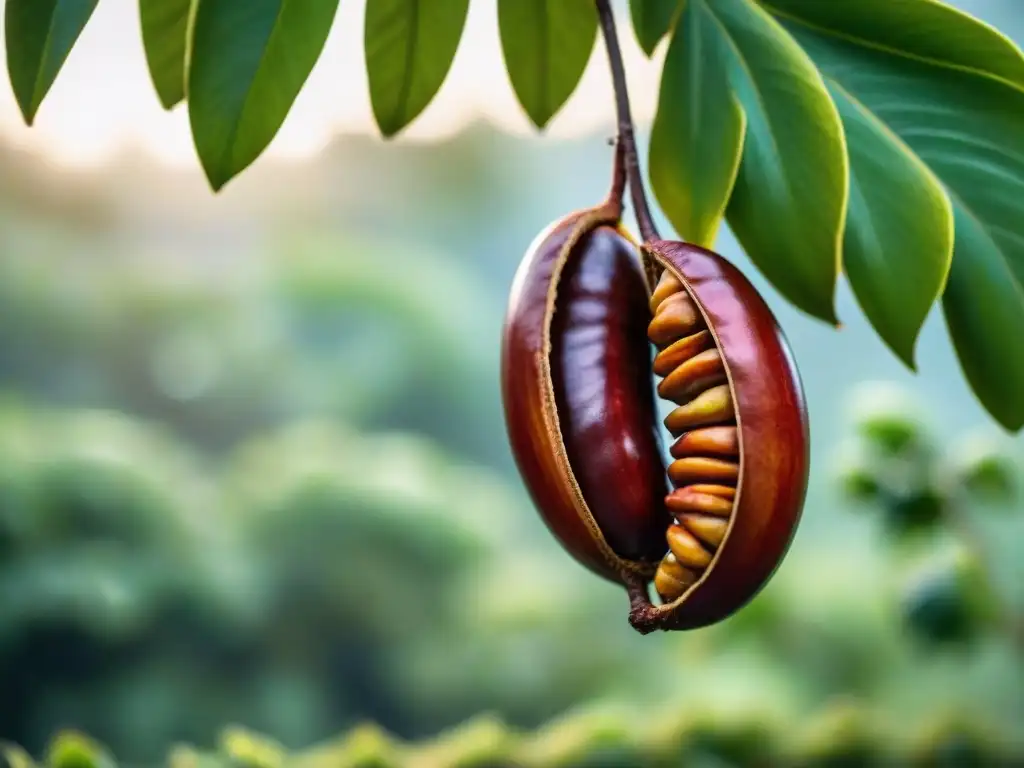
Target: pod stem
{"points": [[618, 187], [626, 135], [644, 616]]}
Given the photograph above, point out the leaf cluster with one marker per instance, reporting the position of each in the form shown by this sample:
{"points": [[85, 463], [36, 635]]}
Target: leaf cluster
{"points": [[879, 139]]}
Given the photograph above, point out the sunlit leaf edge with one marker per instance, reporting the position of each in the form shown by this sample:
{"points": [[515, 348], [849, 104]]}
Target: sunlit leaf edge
{"points": [[170, 99], [704, 239], [857, 40], [389, 128], [826, 314], [541, 119]]}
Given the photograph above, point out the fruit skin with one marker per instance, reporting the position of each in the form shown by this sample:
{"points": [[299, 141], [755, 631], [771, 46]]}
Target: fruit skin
{"points": [[580, 411], [773, 431], [578, 392]]}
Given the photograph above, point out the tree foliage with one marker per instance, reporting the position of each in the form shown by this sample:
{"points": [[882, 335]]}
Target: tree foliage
{"points": [[838, 735], [872, 139]]}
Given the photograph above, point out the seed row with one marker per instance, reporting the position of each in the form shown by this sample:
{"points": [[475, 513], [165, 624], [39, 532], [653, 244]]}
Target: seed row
{"points": [[705, 466]]}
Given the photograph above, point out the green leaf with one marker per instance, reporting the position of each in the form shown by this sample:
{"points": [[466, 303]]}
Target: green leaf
{"points": [[410, 45], [899, 229], [546, 44], [652, 20], [924, 29], [697, 137], [983, 302], [165, 36], [249, 62], [967, 128], [788, 206], [39, 35]]}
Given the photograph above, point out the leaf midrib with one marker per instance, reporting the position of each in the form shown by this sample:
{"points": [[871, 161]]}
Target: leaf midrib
{"points": [[44, 55], [696, 70], [544, 94], [229, 147], [405, 88], [864, 42], [149, 17]]}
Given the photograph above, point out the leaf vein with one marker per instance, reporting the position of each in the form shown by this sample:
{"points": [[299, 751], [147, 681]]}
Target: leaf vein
{"points": [[986, 228], [889, 49], [229, 146], [408, 68]]}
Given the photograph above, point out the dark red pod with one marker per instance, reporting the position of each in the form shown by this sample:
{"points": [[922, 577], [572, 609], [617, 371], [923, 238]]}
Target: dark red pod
{"points": [[579, 399], [774, 441], [578, 384]]}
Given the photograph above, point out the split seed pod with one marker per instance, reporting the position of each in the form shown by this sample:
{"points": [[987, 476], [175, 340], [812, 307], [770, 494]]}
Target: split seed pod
{"points": [[578, 384]]}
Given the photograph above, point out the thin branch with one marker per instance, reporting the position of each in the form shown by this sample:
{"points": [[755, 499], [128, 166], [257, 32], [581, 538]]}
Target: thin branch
{"points": [[618, 186], [625, 122]]}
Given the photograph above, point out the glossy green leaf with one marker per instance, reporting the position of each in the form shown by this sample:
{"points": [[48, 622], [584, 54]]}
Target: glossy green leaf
{"points": [[697, 137], [983, 301], [547, 45], [410, 45], [249, 61], [788, 206], [929, 30], [165, 36], [39, 36], [899, 229], [652, 20], [968, 129]]}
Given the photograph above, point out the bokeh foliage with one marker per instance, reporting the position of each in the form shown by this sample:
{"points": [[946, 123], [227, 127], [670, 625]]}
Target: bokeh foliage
{"points": [[302, 583], [146, 600], [228, 455], [842, 735]]}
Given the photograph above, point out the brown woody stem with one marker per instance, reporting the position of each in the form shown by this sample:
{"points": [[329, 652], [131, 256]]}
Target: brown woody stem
{"points": [[642, 613], [627, 137], [618, 186]]}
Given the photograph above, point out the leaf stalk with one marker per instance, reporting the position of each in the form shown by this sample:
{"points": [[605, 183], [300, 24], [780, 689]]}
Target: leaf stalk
{"points": [[626, 134]]}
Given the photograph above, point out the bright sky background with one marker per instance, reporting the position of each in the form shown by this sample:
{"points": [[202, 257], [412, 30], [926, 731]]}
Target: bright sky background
{"points": [[103, 99]]}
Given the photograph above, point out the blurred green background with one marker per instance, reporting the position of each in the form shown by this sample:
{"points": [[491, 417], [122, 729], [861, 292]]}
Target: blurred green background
{"points": [[254, 473]]}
